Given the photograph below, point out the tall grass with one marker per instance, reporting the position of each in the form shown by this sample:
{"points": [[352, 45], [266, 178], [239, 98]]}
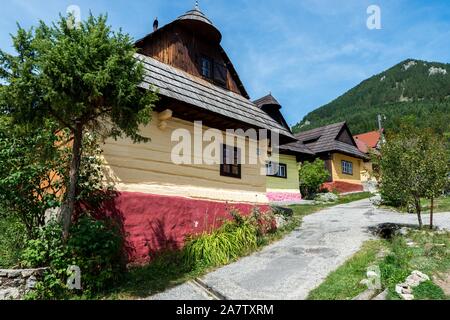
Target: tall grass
{"points": [[232, 240]]}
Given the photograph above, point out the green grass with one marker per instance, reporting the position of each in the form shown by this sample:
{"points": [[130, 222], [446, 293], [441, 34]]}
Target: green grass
{"points": [[441, 204], [428, 291], [170, 270], [431, 255], [354, 197], [344, 283], [306, 209]]}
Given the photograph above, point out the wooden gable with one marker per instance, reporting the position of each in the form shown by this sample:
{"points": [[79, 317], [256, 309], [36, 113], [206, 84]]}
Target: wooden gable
{"points": [[184, 43]]}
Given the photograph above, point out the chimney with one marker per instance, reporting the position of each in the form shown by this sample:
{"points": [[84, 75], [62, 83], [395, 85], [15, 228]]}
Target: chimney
{"points": [[155, 24]]}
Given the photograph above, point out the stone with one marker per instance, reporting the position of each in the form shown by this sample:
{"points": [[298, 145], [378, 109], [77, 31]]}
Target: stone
{"points": [[443, 281], [382, 296], [9, 294], [403, 231], [403, 288], [411, 244], [31, 283], [326, 197], [27, 273], [408, 297], [285, 212], [366, 295], [280, 221], [14, 273]]}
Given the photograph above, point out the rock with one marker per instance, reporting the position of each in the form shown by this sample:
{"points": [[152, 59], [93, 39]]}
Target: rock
{"points": [[285, 212], [403, 288], [326, 197], [280, 221], [31, 283], [411, 244], [9, 294], [366, 295], [408, 297], [382, 296], [403, 231], [14, 273], [27, 273], [421, 277], [364, 282]]}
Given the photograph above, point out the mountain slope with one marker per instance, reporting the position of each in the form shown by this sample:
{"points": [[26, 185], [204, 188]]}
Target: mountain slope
{"points": [[414, 91]]}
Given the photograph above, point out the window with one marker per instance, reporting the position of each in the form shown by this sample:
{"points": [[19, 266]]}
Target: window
{"points": [[230, 165], [206, 66], [347, 167], [274, 169]]}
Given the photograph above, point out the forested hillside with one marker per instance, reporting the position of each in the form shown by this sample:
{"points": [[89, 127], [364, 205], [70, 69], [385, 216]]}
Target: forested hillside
{"points": [[413, 91]]}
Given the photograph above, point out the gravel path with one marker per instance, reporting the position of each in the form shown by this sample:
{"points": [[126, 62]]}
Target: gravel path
{"points": [[290, 268]]}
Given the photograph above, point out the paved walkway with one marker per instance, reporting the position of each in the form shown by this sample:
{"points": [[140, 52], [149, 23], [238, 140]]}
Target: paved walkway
{"points": [[290, 268]]}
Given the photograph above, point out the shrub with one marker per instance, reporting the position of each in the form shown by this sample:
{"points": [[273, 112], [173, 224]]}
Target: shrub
{"points": [[312, 175], [94, 246], [12, 238]]}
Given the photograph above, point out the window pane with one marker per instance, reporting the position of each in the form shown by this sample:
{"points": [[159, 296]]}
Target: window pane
{"points": [[206, 67]]}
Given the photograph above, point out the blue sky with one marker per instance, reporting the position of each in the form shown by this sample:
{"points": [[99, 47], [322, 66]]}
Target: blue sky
{"points": [[306, 52]]}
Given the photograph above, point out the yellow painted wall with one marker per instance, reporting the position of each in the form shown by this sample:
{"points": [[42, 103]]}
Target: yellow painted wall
{"points": [[366, 172], [147, 167], [291, 183], [336, 169]]}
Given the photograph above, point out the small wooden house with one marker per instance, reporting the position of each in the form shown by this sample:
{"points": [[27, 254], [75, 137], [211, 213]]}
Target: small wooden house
{"points": [[335, 145], [162, 202]]}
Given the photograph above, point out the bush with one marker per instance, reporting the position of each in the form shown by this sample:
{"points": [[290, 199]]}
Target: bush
{"points": [[12, 238], [312, 175], [93, 245]]}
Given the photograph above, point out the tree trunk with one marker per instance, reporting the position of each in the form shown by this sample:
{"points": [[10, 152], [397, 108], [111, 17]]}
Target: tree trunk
{"points": [[69, 203], [431, 212], [418, 210]]}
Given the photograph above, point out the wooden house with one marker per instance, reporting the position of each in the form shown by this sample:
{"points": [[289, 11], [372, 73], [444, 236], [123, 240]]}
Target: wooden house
{"points": [[162, 202], [335, 145]]}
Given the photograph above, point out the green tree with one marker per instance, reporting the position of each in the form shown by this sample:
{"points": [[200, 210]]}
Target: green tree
{"points": [[436, 169], [85, 78], [414, 165], [29, 164], [312, 175]]}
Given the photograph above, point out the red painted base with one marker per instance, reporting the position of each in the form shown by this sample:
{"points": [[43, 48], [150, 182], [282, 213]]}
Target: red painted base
{"points": [[154, 223], [342, 187]]}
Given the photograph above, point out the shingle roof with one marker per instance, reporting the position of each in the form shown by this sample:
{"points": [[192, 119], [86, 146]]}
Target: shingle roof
{"points": [[177, 84], [297, 148], [195, 14], [266, 100], [324, 139]]}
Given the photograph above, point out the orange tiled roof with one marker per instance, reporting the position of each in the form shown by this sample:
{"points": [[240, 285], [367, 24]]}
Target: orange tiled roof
{"points": [[367, 140]]}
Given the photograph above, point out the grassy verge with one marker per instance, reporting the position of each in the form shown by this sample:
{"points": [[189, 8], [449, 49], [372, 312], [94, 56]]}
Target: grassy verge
{"points": [[169, 270], [441, 204], [344, 283], [429, 254]]}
